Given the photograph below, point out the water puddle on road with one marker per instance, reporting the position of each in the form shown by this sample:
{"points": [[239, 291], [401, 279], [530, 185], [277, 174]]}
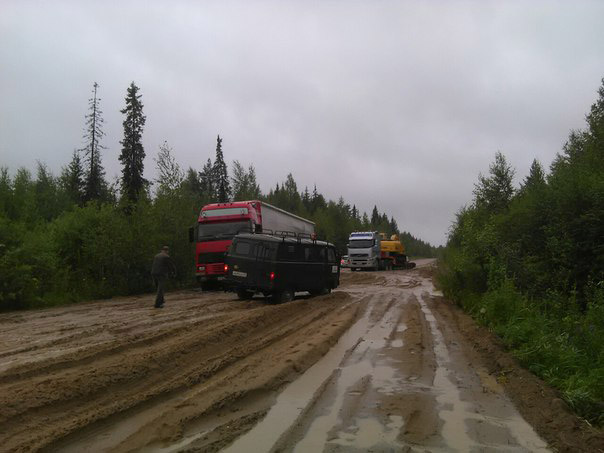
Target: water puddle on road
{"points": [[463, 428], [299, 396]]}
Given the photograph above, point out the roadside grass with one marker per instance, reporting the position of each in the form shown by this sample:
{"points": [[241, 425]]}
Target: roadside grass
{"points": [[562, 346]]}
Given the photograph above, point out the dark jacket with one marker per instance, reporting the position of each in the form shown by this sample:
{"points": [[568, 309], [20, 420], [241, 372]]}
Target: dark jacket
{"points": [[162, 265]]}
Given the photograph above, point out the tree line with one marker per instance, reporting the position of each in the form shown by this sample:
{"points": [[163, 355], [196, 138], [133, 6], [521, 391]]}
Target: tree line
{"points": [[529, 263], [77, 236]]}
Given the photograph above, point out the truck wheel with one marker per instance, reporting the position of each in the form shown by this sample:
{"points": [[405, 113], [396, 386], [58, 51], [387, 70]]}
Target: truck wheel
{"points": [[243, 294]]}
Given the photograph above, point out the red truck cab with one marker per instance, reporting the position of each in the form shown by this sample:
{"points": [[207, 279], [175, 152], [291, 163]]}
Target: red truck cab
{"points": [[217, 224]]}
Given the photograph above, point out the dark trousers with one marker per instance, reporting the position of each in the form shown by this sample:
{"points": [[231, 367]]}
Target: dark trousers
{"points": [[160, 281]]}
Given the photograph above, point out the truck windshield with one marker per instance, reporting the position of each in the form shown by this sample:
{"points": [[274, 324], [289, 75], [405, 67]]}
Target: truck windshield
{"points": [[221, 231], [361, 244]]}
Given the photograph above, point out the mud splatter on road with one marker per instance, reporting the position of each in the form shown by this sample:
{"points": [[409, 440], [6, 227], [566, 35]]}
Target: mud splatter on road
{"points": [[376, 365]]}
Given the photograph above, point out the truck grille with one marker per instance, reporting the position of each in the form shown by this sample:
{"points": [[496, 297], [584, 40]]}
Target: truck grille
{"points": [[211, 257], [215, 268], [359, 255]]}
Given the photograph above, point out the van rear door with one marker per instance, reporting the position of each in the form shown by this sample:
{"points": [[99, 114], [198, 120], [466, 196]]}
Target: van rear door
{"points": [[244, 258]]}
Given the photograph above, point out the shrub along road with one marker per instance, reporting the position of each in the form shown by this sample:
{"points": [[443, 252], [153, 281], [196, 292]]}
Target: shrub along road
{"points": [[380, 364]]}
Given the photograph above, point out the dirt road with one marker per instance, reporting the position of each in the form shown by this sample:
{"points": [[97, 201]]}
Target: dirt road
{"points": [[378, 365]]}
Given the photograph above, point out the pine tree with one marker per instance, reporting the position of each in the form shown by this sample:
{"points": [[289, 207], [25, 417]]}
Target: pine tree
{"points": [[45, 189], [6, 192], [254, 188], [206, 180], [133, 183], [72, 180], [244, 186], [220, 175], [393, 226], [495, 192], [317, 200], [535, 178], [375, 217], [192, 183], [95, 184], [306, 198]]}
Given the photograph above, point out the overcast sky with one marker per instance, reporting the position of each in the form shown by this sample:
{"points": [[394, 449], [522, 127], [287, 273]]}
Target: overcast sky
{"points": [[388, 103]]}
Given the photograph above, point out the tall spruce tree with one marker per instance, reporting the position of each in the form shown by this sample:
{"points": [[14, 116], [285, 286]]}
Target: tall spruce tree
{"points": [[133, 183], [206, 181], [94, 181], [72, 180], [375, 217], [535, 178], [220, 175]]}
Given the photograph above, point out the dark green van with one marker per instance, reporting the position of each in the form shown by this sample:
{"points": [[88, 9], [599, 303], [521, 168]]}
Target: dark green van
{"points": [[280, 266]]}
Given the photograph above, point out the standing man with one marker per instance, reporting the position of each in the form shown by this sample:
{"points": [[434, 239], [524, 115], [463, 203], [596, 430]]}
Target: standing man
{"points": [[162, 267]]}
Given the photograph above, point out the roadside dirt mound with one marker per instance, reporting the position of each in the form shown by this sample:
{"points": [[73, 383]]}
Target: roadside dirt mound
{"points": [[538, 403], [361, 278]]}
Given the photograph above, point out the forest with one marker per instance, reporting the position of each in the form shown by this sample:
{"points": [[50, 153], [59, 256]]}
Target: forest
{"points": [[528, 262], [76, 236]]}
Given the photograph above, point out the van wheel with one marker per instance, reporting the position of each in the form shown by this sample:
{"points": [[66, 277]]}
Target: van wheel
{"points": [[284, 296], [243, 294], [320, 292]]}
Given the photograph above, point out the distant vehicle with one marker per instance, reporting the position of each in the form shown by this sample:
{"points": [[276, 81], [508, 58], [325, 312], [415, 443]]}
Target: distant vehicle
{"points": [[392, 253], [344, 261], [218, 223], [280, 266], [373, 250], [364, 250]]}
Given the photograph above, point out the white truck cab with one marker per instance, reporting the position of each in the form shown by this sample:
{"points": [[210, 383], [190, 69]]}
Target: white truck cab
{"points": [[364, 250]]}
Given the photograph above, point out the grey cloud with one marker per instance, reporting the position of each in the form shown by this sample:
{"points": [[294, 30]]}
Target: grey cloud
{"points": [[399, 104]]}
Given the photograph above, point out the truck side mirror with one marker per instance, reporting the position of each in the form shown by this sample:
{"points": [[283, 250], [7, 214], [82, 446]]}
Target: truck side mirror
{"points": [[192, 234]]}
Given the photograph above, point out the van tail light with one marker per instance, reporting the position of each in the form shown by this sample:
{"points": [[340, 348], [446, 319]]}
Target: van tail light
{"points": [[272, 276], [226, 268]]}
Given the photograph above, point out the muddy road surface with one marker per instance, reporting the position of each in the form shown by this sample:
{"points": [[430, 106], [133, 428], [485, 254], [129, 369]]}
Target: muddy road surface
{"points": [[373, 366]]}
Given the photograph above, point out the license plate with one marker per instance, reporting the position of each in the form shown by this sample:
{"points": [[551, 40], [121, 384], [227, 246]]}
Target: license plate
{"points": [[220, 278], [239, 274]]}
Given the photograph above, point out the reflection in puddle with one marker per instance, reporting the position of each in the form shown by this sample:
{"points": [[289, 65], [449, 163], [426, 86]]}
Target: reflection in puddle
{"points": [[369, 432]]}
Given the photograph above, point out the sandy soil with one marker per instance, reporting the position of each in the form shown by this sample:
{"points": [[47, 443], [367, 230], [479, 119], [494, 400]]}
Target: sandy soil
{"points": [[381, 364]]}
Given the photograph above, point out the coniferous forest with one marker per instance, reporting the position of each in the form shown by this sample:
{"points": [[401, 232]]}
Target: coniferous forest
{"points": [[529, 263], [76, 236]]}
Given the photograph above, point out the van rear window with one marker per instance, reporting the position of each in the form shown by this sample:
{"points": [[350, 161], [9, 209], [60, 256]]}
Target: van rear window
{"points": [[242, 248], [331, 255], [314, 254]]}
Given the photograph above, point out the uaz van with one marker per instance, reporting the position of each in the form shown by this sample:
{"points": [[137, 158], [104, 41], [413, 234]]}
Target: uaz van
{"points": [[280, 266]]}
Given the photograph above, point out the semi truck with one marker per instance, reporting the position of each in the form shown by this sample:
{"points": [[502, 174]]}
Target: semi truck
{"points": [[218, 223], [364, 250], [373, 250]]}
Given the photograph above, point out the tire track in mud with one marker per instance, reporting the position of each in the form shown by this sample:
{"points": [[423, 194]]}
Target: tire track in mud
{"points": [[87, 327], [396, 388], [76, 395]]}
